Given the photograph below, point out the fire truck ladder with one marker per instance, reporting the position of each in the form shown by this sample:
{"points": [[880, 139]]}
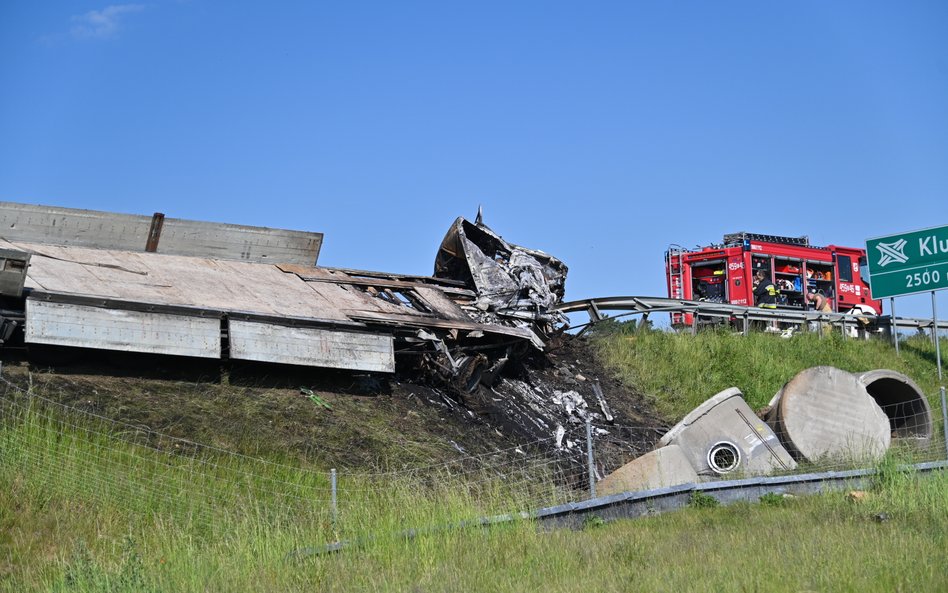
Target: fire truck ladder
{"points": [[675, 270]]}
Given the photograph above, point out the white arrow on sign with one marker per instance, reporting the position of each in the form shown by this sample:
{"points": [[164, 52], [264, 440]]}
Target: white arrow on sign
{"points": [[892, 252]]}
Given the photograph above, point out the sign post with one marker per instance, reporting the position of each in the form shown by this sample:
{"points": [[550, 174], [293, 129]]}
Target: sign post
{"points": [[910, 263]]}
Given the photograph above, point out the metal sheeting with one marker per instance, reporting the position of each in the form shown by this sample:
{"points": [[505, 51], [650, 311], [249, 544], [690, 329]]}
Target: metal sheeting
{"points": [[82, 326], [244, 243], [334, 348], [108, 230]]}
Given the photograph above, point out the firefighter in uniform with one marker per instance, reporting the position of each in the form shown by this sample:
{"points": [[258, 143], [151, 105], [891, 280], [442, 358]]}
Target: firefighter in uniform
{"points": [[765, 291], [765, 294]]}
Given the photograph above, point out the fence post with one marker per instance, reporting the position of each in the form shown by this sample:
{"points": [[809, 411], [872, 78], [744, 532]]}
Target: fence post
{"points": [[589, 459], [334, 507], [944, 420]]}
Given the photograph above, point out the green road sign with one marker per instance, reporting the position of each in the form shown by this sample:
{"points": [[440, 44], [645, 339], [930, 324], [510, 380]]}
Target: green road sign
{"points": [[908, 263]]}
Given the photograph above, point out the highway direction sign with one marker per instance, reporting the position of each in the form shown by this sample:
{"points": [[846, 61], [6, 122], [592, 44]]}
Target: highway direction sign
{"points": [[908, 263]]}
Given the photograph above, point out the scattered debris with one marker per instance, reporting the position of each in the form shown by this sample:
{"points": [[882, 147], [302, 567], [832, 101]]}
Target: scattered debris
{"points": [[856, 495], [313, 397]]}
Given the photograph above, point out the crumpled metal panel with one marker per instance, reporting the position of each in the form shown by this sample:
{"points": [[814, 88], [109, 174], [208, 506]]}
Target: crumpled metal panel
{"points": [[513, 284]]}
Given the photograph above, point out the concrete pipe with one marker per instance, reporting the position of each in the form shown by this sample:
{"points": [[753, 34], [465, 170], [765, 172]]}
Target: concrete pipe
{"points": [[826, 413], [910, 416], [723, 435]]}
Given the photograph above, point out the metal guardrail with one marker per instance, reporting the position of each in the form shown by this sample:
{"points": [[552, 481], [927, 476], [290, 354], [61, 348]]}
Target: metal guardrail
{"points": [[649, 502], [643, 305]]}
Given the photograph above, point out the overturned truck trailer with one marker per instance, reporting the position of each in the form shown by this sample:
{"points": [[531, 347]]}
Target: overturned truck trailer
{"points": [[151, 284]]}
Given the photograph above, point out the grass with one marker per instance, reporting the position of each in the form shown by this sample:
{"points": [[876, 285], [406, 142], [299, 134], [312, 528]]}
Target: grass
{"points": [[85, 508], [680, 371]]}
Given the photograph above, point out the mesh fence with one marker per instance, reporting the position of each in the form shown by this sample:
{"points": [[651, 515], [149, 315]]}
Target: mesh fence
{"points": [[65, 451]]}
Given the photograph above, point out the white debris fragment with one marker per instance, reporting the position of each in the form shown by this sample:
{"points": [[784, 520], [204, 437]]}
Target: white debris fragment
{"points": [[571, 402], [560, 433]]}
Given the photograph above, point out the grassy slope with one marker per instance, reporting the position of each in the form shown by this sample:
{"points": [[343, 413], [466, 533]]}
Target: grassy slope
{"points": [[71, 520], [680, 371]]}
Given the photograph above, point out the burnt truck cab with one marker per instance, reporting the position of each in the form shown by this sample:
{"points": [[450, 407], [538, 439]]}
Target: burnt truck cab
{"points": [[724, 273]]}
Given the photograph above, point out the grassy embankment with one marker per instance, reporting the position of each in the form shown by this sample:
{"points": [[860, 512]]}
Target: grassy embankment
{"points": [[679, 371], [89, 512]]}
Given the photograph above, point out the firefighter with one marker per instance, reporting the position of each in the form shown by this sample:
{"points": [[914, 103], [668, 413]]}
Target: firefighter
{"points": [[765, 296], [820, 303], [765, 291]]}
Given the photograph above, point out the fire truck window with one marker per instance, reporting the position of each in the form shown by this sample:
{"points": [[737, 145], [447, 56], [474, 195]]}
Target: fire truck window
{"points": [[845, 266], [864, 270]]}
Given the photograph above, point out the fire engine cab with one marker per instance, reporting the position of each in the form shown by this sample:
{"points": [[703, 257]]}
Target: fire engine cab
{"points": [[725, 273]]}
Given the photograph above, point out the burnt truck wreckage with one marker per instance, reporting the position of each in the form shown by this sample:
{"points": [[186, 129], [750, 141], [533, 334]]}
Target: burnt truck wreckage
{"points": [[477, 329]]}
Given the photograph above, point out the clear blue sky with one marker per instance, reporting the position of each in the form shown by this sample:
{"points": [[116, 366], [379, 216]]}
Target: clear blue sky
{"points": [[597, 131]]}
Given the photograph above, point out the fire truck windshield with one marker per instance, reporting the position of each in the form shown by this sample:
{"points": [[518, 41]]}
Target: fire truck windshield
{"points": [[845, 265], [864, 270]]}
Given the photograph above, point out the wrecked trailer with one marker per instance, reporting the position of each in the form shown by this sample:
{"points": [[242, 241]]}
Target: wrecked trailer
{"points": [[479, 330], [101, 280]]}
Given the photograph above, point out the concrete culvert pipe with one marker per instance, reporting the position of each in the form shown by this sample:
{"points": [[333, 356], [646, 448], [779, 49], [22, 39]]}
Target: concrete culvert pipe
{"points": [[826, 413], [910, 416]]}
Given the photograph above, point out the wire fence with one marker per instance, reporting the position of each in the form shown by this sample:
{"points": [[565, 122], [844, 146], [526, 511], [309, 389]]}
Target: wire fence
{"points": [[64, 451]]}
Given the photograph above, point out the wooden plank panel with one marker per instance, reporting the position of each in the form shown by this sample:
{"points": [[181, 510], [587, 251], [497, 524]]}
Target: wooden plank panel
{"points": [[53, 225], [311, 346], [174, 280], [115, 329]]}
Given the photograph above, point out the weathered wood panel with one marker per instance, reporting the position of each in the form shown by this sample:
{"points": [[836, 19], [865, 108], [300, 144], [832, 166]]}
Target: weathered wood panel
{"points": [[129, 232], [311, 346], [174, 280], [82, 326]]}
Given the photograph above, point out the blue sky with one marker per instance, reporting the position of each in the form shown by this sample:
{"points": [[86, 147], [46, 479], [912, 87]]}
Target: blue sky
{"points": [[597, 131]]}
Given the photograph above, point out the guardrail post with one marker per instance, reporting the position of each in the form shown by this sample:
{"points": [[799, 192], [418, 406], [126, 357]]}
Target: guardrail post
{"points": [[935, 335], [746, 322], [589, 459]]}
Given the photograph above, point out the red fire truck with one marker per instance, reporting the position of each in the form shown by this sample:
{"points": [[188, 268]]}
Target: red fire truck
{"points": [[725, 273]]}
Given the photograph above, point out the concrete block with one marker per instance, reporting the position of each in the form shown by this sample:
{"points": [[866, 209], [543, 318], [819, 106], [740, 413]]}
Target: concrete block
{"points": [[661, 468]]}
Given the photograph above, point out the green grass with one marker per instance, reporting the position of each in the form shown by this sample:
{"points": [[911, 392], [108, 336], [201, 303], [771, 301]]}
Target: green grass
{"points": [[680, 371], [86, 508]]}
